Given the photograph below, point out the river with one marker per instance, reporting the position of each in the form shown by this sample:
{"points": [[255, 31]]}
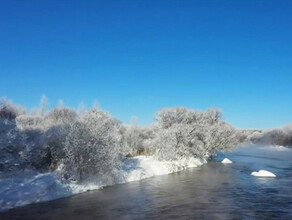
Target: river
{"points": [[212, 191]]}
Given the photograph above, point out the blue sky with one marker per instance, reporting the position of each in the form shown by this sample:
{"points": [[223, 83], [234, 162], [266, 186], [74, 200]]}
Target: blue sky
{"points": [[135, 57]]}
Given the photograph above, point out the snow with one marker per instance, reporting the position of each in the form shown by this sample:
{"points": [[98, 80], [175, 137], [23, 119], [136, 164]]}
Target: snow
{"points": [[35, 187], [142, 167], [263, 173], [138, 168], [226, 160], [19, 191]]}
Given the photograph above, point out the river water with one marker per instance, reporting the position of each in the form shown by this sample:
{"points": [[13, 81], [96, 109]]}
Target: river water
{"points": [[212, 191]]}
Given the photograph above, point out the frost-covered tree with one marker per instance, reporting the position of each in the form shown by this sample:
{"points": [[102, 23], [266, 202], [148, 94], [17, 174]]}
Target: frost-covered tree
{"points": [[81, 110], [10, 138], [9, 148], [43, 105], [279, 136], [177, 142], [30, 122], [183, 133], [35, 153], [57, 124], [137, 139], [93, 145], [10, 111], [59, 116], [43, 137]]}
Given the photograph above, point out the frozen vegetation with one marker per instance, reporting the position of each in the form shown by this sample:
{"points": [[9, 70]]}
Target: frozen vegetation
{"points": [[278, 136], [46, 155]]}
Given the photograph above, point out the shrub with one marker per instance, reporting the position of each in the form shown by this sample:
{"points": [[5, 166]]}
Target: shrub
{"points": [[93, 145], [10, 111], [188, 133]]}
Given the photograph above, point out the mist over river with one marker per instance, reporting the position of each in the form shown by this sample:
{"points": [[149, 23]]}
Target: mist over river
{"points": [[211, 191]]}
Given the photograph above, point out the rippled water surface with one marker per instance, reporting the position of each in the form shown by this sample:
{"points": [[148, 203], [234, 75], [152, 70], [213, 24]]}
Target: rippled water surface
{"points": [[213, 191]]}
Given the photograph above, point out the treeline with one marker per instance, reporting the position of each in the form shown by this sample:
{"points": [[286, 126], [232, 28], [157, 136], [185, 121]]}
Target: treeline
{"points": [[92, 143], [279, 136]]}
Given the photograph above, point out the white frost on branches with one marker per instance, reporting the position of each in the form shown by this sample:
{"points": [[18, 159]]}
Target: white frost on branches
{"points": [[91, 144]]}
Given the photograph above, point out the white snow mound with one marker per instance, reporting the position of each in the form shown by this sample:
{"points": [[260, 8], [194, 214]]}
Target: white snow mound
{"points": [[226, 160], [263, 173]]}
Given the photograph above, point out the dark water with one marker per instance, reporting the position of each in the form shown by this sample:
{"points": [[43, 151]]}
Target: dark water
{"points": [[213, 191]]}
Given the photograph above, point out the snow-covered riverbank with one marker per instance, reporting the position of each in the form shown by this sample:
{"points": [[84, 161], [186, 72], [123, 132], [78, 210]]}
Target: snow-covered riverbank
{"points": [[34, 187]]}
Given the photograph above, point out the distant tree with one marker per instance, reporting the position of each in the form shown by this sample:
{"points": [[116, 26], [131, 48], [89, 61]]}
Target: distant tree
{"points": [[60, 115], [279, 136], [81, 109], [43, 105], [61, 104]]}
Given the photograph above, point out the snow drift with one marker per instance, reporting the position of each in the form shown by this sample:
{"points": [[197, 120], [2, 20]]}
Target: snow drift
{"points": [[19, 191]]}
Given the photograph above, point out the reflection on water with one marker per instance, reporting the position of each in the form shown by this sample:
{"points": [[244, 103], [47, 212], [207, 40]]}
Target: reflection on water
{"points": [[213, 191]]}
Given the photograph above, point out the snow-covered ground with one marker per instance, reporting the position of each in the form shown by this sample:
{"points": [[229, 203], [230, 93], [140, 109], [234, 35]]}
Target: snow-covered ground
{"points": [[35, 187], [30, 188]]}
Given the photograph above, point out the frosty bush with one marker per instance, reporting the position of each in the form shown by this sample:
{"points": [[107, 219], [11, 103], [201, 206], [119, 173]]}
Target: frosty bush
{"points": [[188, 133], [93, 145], [137, 139], [30, 122], [175, 143], [10, 111], [10, 138], [57, 124], [35, 153], [59, 116], [9, 149], [43, 136]]}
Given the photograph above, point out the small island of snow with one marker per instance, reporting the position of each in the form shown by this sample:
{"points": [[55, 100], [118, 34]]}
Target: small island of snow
{"points": [[226, 160], [263, 173]]}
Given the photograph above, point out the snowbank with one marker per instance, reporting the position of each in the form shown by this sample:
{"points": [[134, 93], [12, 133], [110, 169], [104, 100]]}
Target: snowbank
{"points": [[263, 173], [226, 160], [138, 168], [19, 191], [142, 167]]}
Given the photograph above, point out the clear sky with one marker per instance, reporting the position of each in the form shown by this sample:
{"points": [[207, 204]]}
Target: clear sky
{"points": [[135, 57]]}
